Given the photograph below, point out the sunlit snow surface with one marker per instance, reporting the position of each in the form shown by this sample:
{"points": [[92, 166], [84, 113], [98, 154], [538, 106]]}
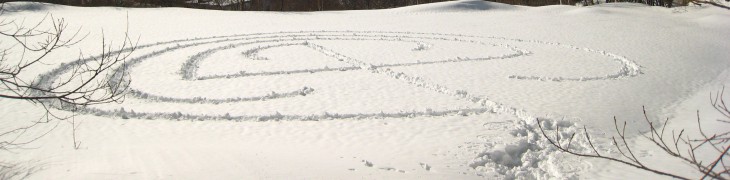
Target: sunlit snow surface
{"points": [[437, 91]]}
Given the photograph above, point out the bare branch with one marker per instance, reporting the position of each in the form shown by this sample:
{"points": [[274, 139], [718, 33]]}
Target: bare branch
{"points": [[597, 155], [88, 81], [716, 169]]}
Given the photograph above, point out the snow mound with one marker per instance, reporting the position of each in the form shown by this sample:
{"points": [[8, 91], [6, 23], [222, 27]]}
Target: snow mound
{"points": [[459, 6], [506, 155], [530, 156]]}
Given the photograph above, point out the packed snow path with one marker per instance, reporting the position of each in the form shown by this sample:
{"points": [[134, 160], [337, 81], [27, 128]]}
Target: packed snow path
{"points": [[249, 46]]}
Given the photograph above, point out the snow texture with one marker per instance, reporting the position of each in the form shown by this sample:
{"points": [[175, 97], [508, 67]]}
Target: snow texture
{"points": [[446, 90]]}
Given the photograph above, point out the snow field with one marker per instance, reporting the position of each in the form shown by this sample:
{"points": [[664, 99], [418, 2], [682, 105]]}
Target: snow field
{"points": [[275, 77], [312, 91], [442, 91]]}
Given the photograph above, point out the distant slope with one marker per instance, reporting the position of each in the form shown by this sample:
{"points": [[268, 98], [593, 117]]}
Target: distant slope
{"points": [[459, 6]]}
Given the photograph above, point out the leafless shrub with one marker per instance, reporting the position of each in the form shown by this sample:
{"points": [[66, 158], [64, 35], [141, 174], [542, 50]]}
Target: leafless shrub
{"points": [[679, 145], [92, 80]]}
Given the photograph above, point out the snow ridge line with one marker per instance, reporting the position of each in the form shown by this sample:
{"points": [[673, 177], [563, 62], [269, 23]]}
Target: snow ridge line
{"points": [[201, 100], [631, 69], [628, 68], [492, 106], [191, 66], [124, 114], [189, 69], [273, 73], [420, 47]]}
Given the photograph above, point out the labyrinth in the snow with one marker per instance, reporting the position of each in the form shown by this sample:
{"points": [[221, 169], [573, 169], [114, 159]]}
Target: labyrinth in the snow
{"points": [[314, 75]]}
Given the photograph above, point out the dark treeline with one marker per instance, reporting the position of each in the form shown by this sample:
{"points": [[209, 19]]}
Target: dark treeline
{"points": [[251, 5]]}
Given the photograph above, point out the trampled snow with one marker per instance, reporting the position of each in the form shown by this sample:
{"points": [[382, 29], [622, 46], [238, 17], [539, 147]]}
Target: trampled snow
{"points": [[437, 91]]}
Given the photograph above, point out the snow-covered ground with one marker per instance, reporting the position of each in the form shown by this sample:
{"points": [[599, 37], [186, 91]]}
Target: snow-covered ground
{"points": [[438, 91]]}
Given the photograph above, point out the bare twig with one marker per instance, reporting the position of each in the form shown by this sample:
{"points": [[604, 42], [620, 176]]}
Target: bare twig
{"points": [[597, 155], [89, 81], [716, 169]]}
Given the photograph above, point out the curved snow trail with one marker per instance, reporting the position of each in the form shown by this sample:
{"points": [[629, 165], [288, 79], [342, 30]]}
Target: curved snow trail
{"points": [[422, 41]]}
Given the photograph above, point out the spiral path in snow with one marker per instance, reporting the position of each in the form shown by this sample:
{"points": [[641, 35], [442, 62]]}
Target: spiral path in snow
{"points": [[307, 75]]}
